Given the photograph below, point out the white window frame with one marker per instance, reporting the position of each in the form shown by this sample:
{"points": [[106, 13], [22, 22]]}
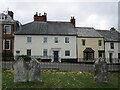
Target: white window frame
{"points": [[67, 40], [4, 29], [66, 51], [46, 52], [82, 42], [45, 39], [56, 39], [29, 40], [17, 54], [4, 44], [30, 52]]}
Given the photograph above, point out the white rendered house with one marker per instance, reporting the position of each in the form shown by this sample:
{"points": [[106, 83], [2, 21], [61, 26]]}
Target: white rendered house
{"points": [[47, 40], [112, 45]]}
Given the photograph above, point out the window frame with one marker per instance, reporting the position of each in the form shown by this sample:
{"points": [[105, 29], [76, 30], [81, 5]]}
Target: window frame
{"points": [[99, 43], [30, 52], [4, 44], [29, 39], [55, 39], [5, 29], [111, 45], [83, 42], [45, 39], [45, 52], [67, 40], [17, 53], [67, 52]]}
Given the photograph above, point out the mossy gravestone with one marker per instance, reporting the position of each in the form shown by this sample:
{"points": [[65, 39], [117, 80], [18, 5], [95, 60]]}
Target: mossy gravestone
{"points": [[34, 70], [19, 70], [101, 71]]}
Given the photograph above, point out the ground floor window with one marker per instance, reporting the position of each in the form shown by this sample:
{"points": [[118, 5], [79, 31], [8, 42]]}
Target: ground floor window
{"points": [[118, 55], [101, 54], [17, 53], [88, 56], [44, 52], [67, 53], [28, 52]]}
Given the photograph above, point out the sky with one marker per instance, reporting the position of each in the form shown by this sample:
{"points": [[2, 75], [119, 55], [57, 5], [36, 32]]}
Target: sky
{"points": [[98, 14]]}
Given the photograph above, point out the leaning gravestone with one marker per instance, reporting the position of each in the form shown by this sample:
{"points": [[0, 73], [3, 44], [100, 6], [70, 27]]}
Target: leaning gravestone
{"points": [[101, 71], [19, 70], [34, 70]]}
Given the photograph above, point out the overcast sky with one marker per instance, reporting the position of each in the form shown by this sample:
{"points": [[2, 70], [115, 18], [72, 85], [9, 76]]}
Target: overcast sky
{"points": [[100, 15]]}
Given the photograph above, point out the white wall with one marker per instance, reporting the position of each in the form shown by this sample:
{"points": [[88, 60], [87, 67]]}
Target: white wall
{"points": [[114, 51], [37, 45]]}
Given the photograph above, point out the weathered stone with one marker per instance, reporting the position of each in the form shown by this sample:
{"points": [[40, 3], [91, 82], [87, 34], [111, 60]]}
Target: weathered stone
{"points": [[19, 70], [101, 71], [34, 70]]}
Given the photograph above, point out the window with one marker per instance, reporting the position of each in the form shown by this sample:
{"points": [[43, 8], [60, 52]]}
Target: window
{"points": [[101, 54], [66, 39], [112, 45], [99, 42], [17, 52], [88, 55], [67, 53], [56, 39], [118, 55], [6, 44], [7, 29], [29, 40], [44, 52], [83, 42], [28, 52], [44, 39]]}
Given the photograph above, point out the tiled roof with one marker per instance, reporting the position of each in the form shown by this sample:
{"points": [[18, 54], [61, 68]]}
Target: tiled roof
{"points": [[46, 28], [87, 32], [109, 35]]}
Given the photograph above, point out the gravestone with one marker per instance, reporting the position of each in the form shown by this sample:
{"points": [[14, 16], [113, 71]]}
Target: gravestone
{"points": [[34, 70], [19, 70], [101, 71]]}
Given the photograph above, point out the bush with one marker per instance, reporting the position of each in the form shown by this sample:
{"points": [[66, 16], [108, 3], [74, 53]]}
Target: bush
{"points": [[25, 57]]}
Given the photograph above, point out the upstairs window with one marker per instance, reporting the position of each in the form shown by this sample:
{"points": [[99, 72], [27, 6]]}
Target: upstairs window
{"points": [[29, 39], [66, 39], [99, 42], [7, 29], [83, 42], [44, 39], [112, 45], [56, 39]]}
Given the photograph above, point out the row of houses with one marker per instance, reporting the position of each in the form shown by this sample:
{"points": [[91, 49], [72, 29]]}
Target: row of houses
{"points": [[58, 41]]}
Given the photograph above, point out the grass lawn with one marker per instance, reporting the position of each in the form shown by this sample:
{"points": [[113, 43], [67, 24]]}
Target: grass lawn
{"points": [[61, 79]]}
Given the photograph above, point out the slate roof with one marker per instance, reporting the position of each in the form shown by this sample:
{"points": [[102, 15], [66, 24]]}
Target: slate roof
{"points": [[110, 36], [46, 28], [87, 32]]}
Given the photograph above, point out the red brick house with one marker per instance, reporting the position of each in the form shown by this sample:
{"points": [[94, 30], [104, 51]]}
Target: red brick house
{"points": [[7, 27]]}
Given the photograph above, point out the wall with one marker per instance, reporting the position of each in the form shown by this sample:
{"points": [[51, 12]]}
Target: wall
{"points": [[90, 43], [37, 45]]}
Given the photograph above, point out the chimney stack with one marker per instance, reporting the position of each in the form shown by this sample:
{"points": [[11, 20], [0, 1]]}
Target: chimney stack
{"points": [[41, 18], [11, 14], [72, 20], [112, 29]]}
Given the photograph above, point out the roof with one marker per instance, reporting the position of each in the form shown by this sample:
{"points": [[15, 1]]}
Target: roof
{"points": [[110, 35], [46, 28], [87, 32]]}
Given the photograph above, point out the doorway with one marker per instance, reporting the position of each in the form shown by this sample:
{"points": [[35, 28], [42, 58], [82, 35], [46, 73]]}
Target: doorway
{"points": [[56, 56], [110, 57]]}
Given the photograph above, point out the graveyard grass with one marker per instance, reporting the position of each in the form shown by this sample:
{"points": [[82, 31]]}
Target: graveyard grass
{"points": [[61, 79]]}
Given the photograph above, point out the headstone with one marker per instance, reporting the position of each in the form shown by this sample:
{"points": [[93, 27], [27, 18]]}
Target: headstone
{"points": [[34, 70], [19, 70], [101, 71]]}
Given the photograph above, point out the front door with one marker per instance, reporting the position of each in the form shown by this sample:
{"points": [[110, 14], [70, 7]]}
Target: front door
{"points": [[56, 56], [110, 57]]}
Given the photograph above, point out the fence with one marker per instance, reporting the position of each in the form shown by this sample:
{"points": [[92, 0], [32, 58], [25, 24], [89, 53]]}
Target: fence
{"points": [[8, 64]]}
